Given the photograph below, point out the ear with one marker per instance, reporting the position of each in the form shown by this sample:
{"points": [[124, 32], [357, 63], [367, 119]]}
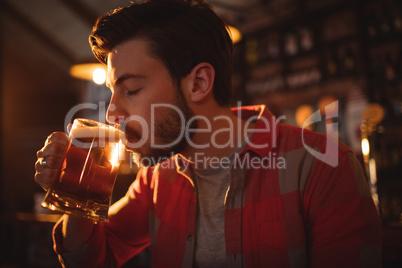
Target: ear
{"points": [[202, 81]]}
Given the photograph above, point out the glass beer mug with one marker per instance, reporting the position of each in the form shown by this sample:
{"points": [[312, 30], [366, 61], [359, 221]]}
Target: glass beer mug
{"points": [[88, 170]]}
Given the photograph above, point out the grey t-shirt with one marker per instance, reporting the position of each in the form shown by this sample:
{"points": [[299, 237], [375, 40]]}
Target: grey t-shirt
{"points": [[210, 250], [212, 185]]}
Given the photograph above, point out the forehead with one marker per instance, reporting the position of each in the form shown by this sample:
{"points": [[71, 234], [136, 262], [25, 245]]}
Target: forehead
{"points": [[133, 58], [130, 52]]}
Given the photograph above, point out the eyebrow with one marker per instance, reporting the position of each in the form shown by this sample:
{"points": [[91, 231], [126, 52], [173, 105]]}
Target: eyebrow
{"points": [[124, 77]]}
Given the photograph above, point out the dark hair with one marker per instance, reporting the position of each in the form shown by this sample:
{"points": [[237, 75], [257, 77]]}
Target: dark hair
{"points": [[181, 33]]}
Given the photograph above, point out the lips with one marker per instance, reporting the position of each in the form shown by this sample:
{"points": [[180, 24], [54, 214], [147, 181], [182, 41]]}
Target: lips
{"points": [[132, 136]]}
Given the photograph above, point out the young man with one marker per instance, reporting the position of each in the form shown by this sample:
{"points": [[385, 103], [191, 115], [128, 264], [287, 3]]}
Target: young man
{"points": [[223, 188]]}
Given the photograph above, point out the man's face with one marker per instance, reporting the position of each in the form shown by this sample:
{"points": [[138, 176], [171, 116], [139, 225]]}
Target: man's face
{"points": [[145, 101]]}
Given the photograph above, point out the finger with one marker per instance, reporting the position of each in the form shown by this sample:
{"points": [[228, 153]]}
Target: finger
{"points": [[45, 178], [38, 165], [51, 149], [59, 137], [52, 162]]}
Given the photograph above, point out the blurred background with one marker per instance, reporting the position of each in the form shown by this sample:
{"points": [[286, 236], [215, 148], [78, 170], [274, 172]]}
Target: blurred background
{"points": [[295, 56]]}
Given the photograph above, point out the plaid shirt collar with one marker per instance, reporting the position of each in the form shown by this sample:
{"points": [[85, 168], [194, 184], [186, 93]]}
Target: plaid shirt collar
{"points": [[262, 141]]}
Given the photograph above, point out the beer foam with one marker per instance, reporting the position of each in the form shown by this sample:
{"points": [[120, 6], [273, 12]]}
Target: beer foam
{"points": [[100, 132]]}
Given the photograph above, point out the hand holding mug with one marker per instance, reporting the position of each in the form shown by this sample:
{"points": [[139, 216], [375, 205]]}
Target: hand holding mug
{"points": [[49, 159], [79, 171]]}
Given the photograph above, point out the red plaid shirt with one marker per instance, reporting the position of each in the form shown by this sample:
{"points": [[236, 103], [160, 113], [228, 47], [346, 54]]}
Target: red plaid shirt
{"points": [[293, 210]]}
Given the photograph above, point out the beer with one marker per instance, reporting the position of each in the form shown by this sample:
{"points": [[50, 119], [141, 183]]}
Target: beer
{"points": [[88, 171]]}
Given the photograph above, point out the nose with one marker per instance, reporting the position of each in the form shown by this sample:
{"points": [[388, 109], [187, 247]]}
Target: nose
{"points": [[115, 114]]}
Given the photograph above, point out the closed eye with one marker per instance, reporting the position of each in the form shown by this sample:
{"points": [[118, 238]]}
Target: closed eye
{"points": [[133, 92]]}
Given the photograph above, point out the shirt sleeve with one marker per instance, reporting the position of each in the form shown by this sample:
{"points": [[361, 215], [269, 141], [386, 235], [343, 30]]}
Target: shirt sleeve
{"points": [[122, 237], [343, 227]]}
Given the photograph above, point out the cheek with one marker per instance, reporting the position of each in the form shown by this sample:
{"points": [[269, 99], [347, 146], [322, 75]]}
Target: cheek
{"points": [[138, 112], [139, 123]]}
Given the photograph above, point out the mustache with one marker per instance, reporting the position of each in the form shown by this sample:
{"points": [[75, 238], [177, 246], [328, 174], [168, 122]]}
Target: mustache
{"points": [[130, 132]]}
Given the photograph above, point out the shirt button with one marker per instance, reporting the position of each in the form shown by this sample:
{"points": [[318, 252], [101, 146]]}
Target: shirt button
{"points": [[189, 238]]}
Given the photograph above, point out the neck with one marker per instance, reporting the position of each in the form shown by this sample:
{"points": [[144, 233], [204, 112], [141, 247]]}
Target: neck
{"points": [[218, 135]]}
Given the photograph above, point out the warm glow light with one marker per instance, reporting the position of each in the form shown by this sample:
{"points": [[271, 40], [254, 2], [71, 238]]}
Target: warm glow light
{"points": [[328, 106], [99, 76], [86, 70], [373, 172], [117, 151], [376, 200], [303, 114], [235, 34], [374, 113], [365, 147]]}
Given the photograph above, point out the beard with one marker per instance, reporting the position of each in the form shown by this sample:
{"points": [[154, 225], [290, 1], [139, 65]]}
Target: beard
{"points": [[169, 126]]}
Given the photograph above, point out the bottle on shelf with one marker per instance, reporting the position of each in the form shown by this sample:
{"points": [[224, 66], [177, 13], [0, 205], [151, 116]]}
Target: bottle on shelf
{"points": [[332, 63], [383, 160], [273, 46], [371, 117], [291, 44], [384, 19], [397, 20], [375, 68], [389, 68], [372, 25], [306, 38], [349, 61], [262, 48], [252, 51]]}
